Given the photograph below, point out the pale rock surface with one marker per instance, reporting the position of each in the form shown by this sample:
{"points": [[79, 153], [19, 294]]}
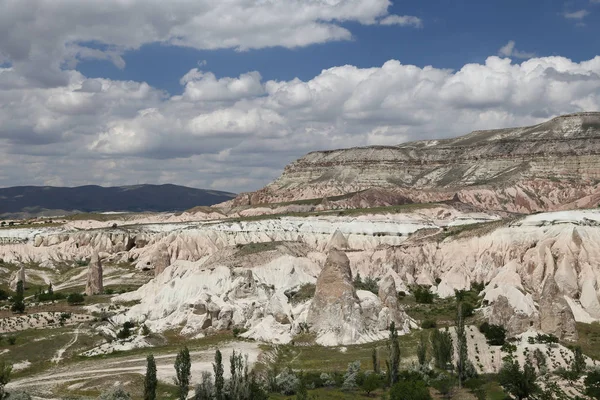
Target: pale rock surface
{"points": [[19, 276], [556, 317], [94, 283]]}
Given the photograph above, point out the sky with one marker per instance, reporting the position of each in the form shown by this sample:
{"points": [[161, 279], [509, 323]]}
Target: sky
{"points": [[224, 94]]}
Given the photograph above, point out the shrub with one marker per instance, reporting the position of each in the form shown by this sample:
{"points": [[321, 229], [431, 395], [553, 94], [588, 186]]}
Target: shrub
{"points": [[423, 295], [145, 330], [494, 334], [371, 383], [592, 384], [304, 293], [75, 299], [115, 394], [351, 375], [369, 284], [109, 291], [429, 324], [12, 340], [126, 331], [410, 390], [287, 382], [477, 286]]}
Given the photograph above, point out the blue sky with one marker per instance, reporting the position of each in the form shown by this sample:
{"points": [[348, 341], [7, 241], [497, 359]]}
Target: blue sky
{"points": [[454, 33], [225, 94]]}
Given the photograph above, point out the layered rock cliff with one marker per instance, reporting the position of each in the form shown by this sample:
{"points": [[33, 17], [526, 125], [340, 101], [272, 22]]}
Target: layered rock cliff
{"points": [[548, 166]]}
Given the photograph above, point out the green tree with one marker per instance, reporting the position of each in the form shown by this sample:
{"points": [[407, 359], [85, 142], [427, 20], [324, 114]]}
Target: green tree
{"points": [[518, 382], [410, 390], [183, 366], [394, 349], [461, 341], [218, 371], [18, 305], [375, 360], [150, 381], [5, 370], [422, 350], [578, 365], [442, 348], [371, 383], [592, 384]]}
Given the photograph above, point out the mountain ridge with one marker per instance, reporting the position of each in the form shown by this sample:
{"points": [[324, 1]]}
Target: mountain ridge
{"points": [[32, 200], [533, 168]]}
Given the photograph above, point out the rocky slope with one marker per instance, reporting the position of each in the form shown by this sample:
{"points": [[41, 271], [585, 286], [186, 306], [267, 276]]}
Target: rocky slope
{"points": [[548, 166]]}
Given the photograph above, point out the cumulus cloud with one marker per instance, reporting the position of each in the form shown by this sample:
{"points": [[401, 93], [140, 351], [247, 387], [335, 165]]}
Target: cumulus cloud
{"points": [[509, 50], [237, 133], [402, 20], [56, 33]]}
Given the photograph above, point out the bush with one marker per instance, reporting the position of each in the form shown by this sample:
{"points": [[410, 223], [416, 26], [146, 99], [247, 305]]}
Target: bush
{"points": [[12, 340], [494, 334], [429, 324], [126, 331], [75, 299], [115, 394], [371, 383], [304, 293], [369, 284], [410, 390], [592, 384], [287, 382], [423, 295]]}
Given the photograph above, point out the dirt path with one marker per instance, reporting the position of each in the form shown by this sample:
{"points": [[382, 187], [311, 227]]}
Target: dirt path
{"points": [[118, 366], [59, 354]]}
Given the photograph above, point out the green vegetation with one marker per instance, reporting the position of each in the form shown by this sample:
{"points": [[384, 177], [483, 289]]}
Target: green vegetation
{"points": [[494, 334], [304, 293], [18, 305], [183, 372], [75, 299], [150, 380], [369, 284]]}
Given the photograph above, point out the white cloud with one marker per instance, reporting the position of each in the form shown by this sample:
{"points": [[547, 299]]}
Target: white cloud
{"points": [[237, 133], [509, 50], [576, 15], [402, 20], [55, 33]]}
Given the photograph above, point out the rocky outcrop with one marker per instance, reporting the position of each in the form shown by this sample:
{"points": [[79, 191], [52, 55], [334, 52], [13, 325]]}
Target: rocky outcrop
{"points": [[161, 258], [94, 283], [541, 167], [337, 241], [335, 313], [19, 276], [556, 316]]}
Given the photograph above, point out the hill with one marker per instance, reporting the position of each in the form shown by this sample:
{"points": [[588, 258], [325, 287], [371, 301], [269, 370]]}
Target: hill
{"points": [[548, 166], [48, 200]]}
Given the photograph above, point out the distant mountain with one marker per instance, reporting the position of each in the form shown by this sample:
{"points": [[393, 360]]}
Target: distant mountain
{"points": [[48, 200]]}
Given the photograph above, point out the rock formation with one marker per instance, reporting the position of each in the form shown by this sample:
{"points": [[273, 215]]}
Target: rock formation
{"points": [[337, 241], [335, 313], [19, 276], [94, 278], [556, 316], [541, 167], [161, 259]]}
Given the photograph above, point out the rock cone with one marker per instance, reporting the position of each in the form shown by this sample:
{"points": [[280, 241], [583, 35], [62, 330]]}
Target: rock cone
{"points": [[161, 259], [94, 279], [335, 313]]}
